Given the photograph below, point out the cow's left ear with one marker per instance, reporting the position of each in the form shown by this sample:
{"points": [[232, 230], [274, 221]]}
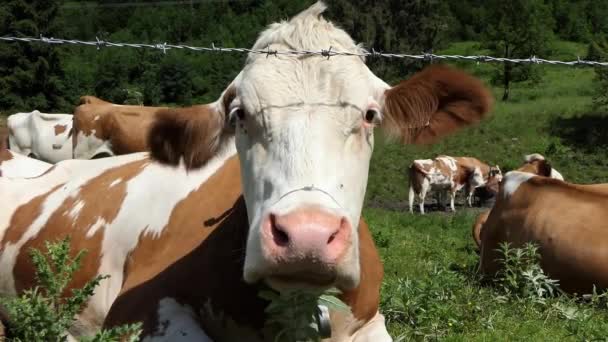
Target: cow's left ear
{"points": [[434, 103], [193, 134]]}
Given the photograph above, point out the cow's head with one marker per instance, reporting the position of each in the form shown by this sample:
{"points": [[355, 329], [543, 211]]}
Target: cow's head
{"points": [[495, 174], [304, 132], [537, 164]]}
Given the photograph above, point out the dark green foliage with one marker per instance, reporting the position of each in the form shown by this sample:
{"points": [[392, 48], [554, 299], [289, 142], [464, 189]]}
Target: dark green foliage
{"points": [[516, 29], [30, 74], [45, 312]]}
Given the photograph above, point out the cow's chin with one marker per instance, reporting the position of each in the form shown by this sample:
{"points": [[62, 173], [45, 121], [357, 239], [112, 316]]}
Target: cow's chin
{"points": [[310, 281]]}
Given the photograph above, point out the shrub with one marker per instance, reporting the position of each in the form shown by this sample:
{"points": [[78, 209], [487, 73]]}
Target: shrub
{"points": [[521, 275], [43, 313]]}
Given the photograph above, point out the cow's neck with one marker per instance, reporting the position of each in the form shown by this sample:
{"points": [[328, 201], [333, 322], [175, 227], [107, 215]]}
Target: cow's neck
{"points": [[204, 247]]}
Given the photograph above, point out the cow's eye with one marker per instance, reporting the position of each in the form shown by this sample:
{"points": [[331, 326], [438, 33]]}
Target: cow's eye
{"points": [[372, 116]]}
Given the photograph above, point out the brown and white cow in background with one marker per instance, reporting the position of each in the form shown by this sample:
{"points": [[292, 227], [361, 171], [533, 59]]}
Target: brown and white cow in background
{"points": [[103, 129], [446, 174], [43, 136], [285, 213], [535, 164]]}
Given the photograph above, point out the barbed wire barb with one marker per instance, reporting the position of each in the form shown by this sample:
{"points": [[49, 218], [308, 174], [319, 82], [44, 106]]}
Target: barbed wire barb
{"points": [[330, 52]]}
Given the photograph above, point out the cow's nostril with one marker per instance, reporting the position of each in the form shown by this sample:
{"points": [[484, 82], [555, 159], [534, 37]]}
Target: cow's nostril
{"points": [[279, 236], [332, 237]]}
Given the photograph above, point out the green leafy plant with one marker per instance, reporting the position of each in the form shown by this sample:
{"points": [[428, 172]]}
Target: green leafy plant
{"points": [[292, 315], [521, 275], [46, 311]]}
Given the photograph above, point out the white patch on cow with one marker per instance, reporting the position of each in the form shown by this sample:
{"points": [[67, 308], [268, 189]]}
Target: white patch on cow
{"points": [[449, 162], [22, 167], [556, 175], [115, 182], [75, 211], [423, 161], [95, 227], [96, 118], [177, 322], [88, 146], [513, 180]]}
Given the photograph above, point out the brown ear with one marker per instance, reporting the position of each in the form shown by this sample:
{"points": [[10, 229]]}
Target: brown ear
{"points": [[434, 103], [544, 168], [194, 134]]}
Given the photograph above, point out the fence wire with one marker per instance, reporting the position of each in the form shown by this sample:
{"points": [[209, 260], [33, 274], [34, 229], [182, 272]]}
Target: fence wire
{"points": [[98, 43]]}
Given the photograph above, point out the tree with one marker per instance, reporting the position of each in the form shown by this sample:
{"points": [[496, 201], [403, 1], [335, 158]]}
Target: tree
{"points": [[598, 51], [30, 74], [517, 29]]}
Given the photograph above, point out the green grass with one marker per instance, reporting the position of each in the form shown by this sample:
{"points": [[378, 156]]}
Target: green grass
{"points": [[430, 260]]}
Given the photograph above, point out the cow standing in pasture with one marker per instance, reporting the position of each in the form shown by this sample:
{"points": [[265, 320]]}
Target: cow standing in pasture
{"points": [[446, 174], [265, 186], [43, 136], [533, 163]]}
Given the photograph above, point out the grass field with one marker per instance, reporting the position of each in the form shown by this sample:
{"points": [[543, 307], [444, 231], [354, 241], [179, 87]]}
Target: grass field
{"points": [[431, 288]]}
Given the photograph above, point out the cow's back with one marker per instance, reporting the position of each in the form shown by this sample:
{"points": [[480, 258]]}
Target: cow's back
{"points": [[566, 220]]}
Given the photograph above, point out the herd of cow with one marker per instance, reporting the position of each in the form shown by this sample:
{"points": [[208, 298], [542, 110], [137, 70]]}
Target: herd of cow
{"points": [[193, 210]]}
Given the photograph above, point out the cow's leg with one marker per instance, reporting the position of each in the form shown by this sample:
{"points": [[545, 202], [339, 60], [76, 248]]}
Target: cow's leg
{"points": [[424, 189], [411, 198], [373, 331], [452, 197]]}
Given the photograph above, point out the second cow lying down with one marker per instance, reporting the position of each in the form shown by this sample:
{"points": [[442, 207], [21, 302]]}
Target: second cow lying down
{"points": [[567, 221], [448, 175]]}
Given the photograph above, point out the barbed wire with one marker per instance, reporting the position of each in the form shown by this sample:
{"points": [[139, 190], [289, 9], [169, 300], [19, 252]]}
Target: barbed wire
{"points": [[98, 43]]}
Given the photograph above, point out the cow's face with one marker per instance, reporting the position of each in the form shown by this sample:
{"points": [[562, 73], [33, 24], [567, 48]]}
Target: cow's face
{"points": [[304, 132]]}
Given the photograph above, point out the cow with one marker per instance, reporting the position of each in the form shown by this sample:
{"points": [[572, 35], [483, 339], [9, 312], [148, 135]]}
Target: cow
{"points": [[40, 135], [448, 174], [16, 165], [262, 188], [567, 221], [533, 163], [103, 129]]}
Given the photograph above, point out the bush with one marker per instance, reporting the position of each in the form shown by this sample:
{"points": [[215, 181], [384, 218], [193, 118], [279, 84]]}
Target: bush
{"points": [[43, 313], [521, 275]]}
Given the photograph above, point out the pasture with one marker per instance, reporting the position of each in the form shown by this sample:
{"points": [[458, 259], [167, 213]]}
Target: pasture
{"points": [[431, 289]]}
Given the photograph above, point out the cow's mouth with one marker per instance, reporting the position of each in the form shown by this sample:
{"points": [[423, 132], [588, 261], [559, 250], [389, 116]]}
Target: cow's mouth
{"points": [[301, 281]]}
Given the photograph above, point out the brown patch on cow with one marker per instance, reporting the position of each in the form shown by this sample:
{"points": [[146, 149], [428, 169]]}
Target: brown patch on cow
{"points": [[5, 155], [98, 201], [433, 103], [199, 257], [60, 129], [192, 134], [537, 167]]}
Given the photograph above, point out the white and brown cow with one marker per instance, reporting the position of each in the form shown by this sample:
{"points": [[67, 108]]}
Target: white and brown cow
{"points": [[40, 135], [15, 165], [103, 129], [189, 236], [446, 174]]}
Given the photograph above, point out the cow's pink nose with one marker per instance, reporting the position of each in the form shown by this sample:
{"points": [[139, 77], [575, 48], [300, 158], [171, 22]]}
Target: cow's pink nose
{"points": [[304, 235]]}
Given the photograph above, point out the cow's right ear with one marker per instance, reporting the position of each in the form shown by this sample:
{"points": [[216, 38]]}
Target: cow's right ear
{"points": [[193, 134]]}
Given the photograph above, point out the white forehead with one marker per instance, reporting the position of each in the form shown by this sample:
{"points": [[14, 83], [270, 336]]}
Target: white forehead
{"points": [[290, 80]]}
